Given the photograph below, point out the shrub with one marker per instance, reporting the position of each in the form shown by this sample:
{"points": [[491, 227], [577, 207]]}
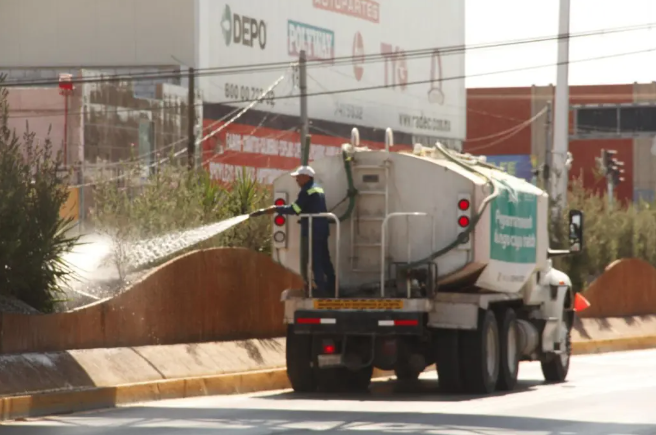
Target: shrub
{"points": [[33, 236], [171, 199], [611, 232]]}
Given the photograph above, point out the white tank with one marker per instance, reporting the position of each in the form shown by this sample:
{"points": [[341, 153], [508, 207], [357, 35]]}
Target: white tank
{"points": [[508, 244]]}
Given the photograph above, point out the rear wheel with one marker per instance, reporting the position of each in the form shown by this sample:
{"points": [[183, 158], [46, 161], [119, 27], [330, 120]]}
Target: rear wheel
{"points": [[509, 355], [480, 355], [405, 373], [448, 360], [299, 362]]}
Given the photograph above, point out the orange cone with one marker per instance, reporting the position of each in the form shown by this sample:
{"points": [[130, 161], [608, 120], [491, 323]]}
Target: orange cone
{"points": [[580, 303]]}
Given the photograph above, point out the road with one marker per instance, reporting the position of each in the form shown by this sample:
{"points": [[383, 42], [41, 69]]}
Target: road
{"points": [[606, 394]]}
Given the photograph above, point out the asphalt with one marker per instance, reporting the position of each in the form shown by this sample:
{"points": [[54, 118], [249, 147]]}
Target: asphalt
{"points": [[605, 394]]}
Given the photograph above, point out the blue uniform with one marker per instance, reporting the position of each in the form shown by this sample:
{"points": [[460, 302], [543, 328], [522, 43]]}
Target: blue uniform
{"points": [[310, 200]]}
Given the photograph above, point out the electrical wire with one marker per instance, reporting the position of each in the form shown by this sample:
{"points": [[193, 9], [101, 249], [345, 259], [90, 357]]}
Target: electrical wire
{"points": [[417, 82], [199, 141], [327, 92], [336, 61], [514, 131]]}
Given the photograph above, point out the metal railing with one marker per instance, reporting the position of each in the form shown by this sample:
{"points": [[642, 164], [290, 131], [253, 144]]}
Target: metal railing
{"points": [[383, 237], [310, 275]]}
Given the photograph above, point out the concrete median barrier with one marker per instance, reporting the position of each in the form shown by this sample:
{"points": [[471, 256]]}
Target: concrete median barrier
{"points": [[153, 373]]}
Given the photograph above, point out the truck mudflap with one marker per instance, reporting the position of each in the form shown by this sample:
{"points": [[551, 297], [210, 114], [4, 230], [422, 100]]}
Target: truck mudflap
{"points": [[359, 322]]}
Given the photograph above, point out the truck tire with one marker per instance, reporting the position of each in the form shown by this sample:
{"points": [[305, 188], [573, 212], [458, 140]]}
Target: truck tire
{"points": [[480, 355], [447, 357], [554, 366], [299, 362], [509, 351], [405, 374]]}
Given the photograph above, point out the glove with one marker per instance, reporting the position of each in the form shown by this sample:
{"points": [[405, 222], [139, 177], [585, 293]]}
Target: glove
{"points": [[257, 213]]}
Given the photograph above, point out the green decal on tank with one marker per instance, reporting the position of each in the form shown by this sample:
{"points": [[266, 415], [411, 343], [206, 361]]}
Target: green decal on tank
{"points": [[513, 232]]}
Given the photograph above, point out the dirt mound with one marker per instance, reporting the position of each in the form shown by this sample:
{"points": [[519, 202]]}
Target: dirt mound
{"points": [[626, 288], [207, 295]]}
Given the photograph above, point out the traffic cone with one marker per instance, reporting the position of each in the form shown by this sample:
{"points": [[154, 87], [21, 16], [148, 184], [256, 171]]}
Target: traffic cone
{"points": [[580, 303]]}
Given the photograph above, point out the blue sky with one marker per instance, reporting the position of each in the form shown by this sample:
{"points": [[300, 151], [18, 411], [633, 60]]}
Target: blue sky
{"points": [[503, 20]]}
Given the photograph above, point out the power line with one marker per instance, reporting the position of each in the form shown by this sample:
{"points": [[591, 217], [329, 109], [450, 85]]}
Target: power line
{"points": [[204, 138], [512, 132], [253, 102], [337, 61], [379, 87], [460, 77]]}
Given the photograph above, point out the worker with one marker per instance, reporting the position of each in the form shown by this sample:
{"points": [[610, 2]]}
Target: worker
{"points": [[311, 200]]}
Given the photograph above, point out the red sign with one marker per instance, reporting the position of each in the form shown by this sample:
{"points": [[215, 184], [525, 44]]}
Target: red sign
{"points": [[264, 153], [368, 10]]}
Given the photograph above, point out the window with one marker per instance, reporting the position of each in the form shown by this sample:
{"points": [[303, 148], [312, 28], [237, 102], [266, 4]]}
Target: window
{"points": [[596, 120]]}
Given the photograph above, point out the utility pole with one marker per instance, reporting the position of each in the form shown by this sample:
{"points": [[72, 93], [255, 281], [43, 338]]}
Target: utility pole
{"points": [[191, 116], [561, 115], [302, 81], [548, 145]]}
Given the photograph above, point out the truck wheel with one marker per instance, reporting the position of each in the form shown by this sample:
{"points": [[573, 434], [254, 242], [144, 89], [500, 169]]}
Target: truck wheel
{"points": [[405, 374], [480, 355], [448, 360], [509, 355], [556, 366], [299, 362]]}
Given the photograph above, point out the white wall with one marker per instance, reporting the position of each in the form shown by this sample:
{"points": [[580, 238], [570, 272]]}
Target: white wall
{"points": [[96, 33]]}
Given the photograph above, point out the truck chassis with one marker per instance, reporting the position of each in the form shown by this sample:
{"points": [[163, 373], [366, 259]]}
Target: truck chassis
{"points": [[476, 341]]}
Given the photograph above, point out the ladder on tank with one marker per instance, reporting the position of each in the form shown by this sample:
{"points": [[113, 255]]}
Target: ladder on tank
{"points": [[363, 173]]}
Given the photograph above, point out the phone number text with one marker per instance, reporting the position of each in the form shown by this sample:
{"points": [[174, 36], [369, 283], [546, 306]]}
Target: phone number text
{"points": [[248, 93]]}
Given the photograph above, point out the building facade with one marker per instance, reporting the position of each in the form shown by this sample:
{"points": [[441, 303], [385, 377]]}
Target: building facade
{"points": [[369, 66], [522, 115]]}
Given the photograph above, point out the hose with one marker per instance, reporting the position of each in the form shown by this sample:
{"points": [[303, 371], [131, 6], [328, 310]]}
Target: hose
{"points": [[352, 191], [462, 236]]}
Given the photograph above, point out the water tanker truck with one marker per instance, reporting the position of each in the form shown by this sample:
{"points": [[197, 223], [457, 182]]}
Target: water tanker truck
{"points": [[440, 259]]}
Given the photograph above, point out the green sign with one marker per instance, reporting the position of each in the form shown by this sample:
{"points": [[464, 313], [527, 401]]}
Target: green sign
{"points": [[513, 226]]}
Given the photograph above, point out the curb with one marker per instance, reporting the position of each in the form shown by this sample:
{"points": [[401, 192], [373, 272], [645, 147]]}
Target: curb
{"points": [[613, 345], [63, 402]]}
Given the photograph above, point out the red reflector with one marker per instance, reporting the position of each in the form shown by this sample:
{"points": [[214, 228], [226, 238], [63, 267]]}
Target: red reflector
{"points": [[279, 220], [329, 348], [463, 204], [279, 202], [463, 221], [406, 322], [308, 321]]}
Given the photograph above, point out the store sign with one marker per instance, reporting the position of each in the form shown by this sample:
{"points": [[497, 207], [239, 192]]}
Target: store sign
{"points": [[318, 43], [367, 10], [242, 30]]}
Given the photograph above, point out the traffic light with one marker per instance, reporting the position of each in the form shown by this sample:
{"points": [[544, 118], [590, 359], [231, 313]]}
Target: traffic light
{"points": [[279, 222], [611, 167], [464, 218]]}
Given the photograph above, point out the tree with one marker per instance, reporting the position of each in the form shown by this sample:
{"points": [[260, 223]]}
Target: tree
{"points": [[33, 235]]}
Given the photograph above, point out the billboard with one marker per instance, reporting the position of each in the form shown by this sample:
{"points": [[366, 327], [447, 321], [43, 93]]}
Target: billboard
{"points": [[264, 153], [517, 165], [351, 45]]}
